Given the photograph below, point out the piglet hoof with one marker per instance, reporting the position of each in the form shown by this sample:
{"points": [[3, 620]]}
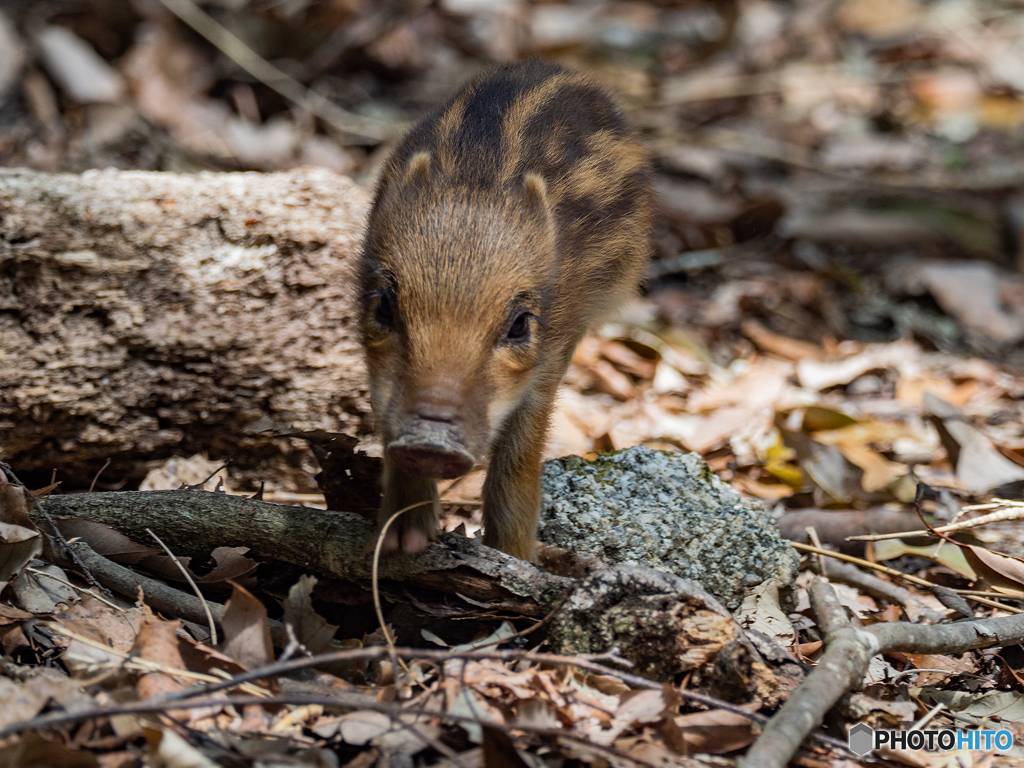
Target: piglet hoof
{"points": [[411, 531]]}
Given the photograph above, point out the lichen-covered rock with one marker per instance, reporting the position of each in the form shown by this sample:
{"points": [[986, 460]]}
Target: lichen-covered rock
{"points": [[668, 511], [664, 626]]}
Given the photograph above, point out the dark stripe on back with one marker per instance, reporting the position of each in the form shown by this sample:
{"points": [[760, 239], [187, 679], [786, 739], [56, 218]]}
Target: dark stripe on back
{"points": [[485, 112]]}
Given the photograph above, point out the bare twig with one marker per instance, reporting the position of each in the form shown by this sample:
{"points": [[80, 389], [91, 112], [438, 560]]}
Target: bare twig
{"points": [[62, 543], [375, 586], [898, 574], [876, 587], [339, 699], [1012, 511], [138, 664], [97, 477], [812, 535], [348, 123], [195, 587], [156, 594], [178, 698], [360, 31], [201, 485], [376, 652]]}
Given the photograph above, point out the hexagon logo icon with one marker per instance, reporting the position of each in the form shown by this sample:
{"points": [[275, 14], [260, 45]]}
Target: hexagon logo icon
{"points": [[861, 737]]}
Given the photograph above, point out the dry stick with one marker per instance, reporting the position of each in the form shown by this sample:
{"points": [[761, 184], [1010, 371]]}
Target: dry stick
{"points": [[374, 652], [97, 477], [944, 672], [360, 31], [201, 485], [156, 594], [898, 574], [195, 587], [918, 496], [836, 570], [374, 583], [341, 699], [1006, 595], [362, 701], [812, 534], [136, 663], [349, 123], [507, 655], [1016, 513], [62, 543], [848, 651]]}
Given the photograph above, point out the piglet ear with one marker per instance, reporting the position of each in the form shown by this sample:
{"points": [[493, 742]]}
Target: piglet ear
{"points": [[535, 191], [418, 170], [535, 198]]}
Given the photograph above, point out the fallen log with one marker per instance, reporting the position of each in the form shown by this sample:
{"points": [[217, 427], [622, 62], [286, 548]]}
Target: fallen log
{"points": [[685, 629], [337, 544], [148, 314]]}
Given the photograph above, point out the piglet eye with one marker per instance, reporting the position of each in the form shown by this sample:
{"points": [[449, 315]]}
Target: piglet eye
{"points": [[385, 313], [520, 327]]}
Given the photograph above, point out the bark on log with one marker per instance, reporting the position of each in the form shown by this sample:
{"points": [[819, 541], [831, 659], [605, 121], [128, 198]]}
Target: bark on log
{"points": [[146, 314], [338, 544]]}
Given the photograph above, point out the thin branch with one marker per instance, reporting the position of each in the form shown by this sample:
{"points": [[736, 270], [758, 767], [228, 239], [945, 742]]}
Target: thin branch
{"points": [[339, 699], [56, 535], [1012, 511], [376, 652], [97, 477], [348, 123], [201, 485], [357, 701], [898, 574], [136, 663], [849, 574], [375, 583], [195, 587]]}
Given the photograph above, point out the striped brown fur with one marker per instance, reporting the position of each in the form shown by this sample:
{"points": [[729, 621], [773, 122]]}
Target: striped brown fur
{"points": [[504, 224]]}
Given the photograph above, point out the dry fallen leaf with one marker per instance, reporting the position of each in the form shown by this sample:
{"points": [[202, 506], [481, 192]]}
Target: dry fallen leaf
{"points": [[246, 631], [824, 374], [310, 628], [979, 466], [31, 749], [715, 732], [166, 748], [158, 643]]}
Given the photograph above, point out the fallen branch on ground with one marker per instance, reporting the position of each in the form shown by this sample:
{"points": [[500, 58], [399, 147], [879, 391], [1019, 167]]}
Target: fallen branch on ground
{"points": [[848, 651], [337, 544]]}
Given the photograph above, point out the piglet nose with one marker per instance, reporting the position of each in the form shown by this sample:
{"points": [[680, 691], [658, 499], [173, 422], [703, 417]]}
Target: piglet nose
{"points": [[429, 448], [432, 412], [439, 402]]}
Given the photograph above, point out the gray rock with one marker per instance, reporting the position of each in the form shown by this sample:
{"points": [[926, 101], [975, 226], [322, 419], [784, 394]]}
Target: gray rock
{"points": [[667, 511], [664, 626]]}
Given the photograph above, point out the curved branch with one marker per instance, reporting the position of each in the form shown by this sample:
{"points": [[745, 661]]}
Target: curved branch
{"points": [[842, 667]]}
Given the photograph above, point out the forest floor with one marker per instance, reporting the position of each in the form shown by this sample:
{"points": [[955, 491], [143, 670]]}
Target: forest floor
{"points": [[833, 319]]}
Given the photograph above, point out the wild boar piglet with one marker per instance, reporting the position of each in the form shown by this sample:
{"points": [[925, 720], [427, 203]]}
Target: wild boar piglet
{"points": [[503, 226]]}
